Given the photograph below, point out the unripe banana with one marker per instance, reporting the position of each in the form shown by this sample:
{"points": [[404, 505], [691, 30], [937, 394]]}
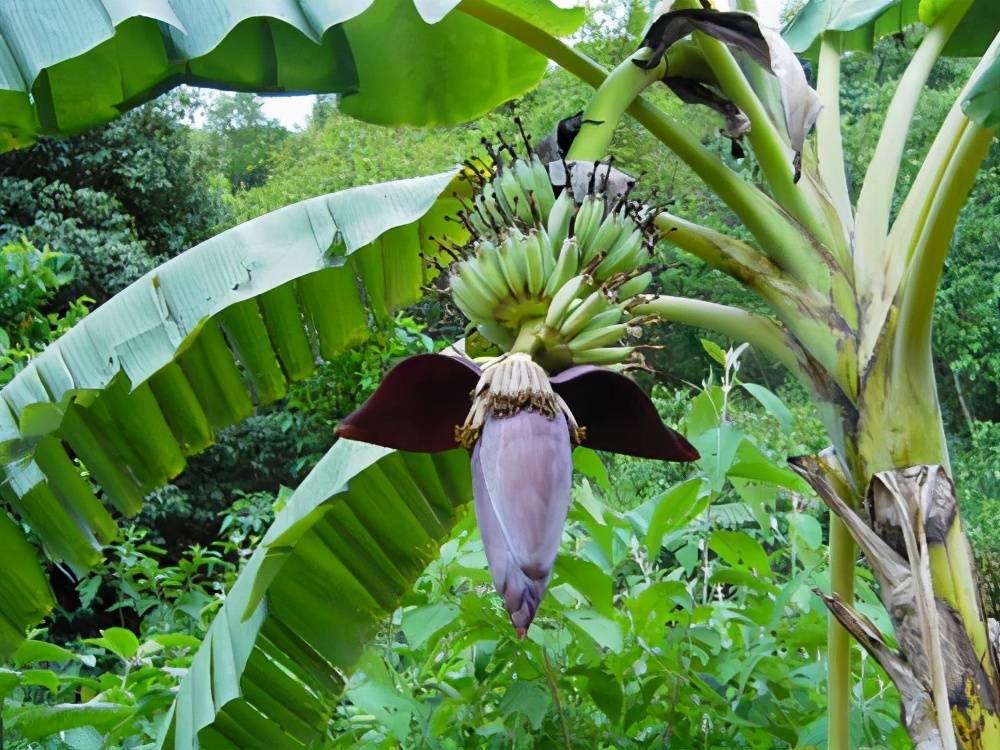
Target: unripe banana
{"points": [[489, 268], [531, 250], [470, 275], [605, 237], [608, 356], [622, 257], [635, 286], [588, 219], [479, 224], [580, 316], [512, 265], [542, 187], [548, 255], [498, 334], [515, 197], [560, 217], [562, 299], [475, 308], [526, 181], [598, 337], [492, 194], [603, 319], [489, 207], [565, 268]]}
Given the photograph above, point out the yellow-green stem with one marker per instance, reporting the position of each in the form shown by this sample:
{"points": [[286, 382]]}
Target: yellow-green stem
{"points": [[829, 140], [839, 641], [773, 155], [606, 107], [739, 325], [528, 341]]}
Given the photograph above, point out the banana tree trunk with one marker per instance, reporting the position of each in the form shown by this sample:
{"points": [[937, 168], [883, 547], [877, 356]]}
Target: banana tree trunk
{"points": [[890, 487]]}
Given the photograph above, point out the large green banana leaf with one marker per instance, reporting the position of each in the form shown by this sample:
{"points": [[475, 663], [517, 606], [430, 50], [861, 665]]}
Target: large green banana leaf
{"points": [[338, 558], [150, 376], [865, 21], [66, 65]]}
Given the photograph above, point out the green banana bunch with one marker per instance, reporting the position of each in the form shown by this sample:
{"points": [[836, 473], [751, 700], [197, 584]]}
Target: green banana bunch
{"points": [[568, 269]]}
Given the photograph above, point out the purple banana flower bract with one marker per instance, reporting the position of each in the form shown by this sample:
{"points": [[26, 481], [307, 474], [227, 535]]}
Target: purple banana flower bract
{"points": [[521, 449], [522, 467]]}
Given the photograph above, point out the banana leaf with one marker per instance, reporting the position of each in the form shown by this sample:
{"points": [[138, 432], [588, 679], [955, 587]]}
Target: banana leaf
{"points": [[866, 21], [67, 65], [340, 555], [192, 347]]}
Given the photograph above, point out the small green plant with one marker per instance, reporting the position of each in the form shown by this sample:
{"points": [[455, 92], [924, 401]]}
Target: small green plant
{"points": [[29, 281]]}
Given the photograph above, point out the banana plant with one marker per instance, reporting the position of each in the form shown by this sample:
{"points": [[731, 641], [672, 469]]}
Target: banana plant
{"points": [[851, 290], [850, 287]]}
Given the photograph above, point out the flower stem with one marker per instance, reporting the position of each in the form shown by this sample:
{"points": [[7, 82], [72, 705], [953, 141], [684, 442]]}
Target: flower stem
{"points": [[606, 107], [528, 339], [554, 689]]}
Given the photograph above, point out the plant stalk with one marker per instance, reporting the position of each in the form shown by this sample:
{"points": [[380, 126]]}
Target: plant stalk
{"points": [[839, 641], [608, 104], [829, 140]]}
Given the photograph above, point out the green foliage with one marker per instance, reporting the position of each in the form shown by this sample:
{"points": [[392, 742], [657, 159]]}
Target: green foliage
{"points": [[146, 161], [240, 138], [112, 690], [89, 225], [29, 280]]}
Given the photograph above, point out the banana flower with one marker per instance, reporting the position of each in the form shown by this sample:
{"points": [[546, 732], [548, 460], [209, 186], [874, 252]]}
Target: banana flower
{"points": [[520, 426]]}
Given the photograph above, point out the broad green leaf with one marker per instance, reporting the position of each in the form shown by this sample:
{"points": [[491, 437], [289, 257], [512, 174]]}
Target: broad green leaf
{"points": [[152, 375], [605, 632], [45, 678], [674, 509], [771, 403], [714, 351], [589, 463], [420, 623], [531, 699], [717, 447], [374, 691], [39, 722], [587, 578], [175, 640], [605, 689], [807, 529], [9, 681], [930, 11], [64, 71], [456, 69], [340, 555], [982, 103], [866, 21], [119, 641], [704, 412], [33, 652], [740, 550]]}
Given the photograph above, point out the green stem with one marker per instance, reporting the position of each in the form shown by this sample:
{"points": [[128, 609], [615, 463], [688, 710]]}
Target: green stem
{"points": [[528, 340], [606, 107], [829, 140], [912, 344], [773, 155], [760, 215], [875, 200], [842, 555], [761, 332]]}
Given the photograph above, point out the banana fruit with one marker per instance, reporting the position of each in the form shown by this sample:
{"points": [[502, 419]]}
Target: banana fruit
{"points": [[539, 258]]}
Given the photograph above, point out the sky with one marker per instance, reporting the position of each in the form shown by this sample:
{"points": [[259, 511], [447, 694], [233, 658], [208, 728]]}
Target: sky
{"points": [[293, 111]]}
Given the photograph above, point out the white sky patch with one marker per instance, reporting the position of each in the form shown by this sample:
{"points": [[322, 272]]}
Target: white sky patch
{"points": [[293, 111], [290, 111]]}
